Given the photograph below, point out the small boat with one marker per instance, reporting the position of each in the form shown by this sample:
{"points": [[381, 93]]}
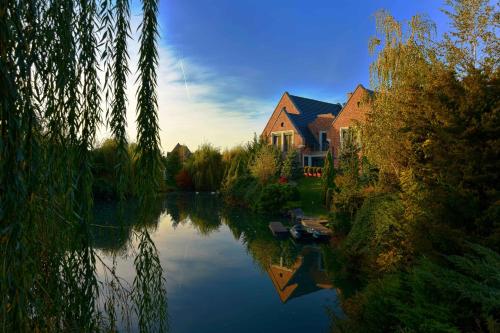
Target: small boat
{"points": [[298, 231], [318, 229], [320, 235]]}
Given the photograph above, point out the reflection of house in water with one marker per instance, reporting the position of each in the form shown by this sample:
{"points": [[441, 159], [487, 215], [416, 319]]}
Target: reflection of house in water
{"points": [[306, 275]]}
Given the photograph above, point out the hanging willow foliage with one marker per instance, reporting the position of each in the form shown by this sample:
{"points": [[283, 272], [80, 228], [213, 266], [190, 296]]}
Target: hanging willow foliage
{"points": [[51, 104], [148, 163], [118, 119]]}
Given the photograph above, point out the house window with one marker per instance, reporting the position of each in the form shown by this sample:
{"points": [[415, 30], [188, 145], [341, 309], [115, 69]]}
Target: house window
{"points": [[359, 103], [351, 135], [283, 124], [277, 140], [323, 141], [287, 144], [343, 135], [314, 161], [317, 161]]}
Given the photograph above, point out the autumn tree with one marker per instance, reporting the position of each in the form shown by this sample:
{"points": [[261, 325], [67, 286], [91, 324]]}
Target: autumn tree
{"points": [[266, 164]]}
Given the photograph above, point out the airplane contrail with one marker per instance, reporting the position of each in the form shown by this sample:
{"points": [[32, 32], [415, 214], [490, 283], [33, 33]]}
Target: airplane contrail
{"points": [[185, 80]]}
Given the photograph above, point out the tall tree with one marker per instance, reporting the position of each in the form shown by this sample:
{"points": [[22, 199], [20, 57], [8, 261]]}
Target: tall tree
{"points": [[434, 129], [50, 110]]}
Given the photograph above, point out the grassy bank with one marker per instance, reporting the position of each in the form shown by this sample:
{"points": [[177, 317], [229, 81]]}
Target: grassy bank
{"points": [[310, 197]]}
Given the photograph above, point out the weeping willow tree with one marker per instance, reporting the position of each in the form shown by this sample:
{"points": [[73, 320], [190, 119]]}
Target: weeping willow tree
{"points": [[434, 129], [51, 104]]}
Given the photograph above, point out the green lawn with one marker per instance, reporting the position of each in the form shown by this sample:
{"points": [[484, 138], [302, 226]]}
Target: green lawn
{"points": [[310, 197]]}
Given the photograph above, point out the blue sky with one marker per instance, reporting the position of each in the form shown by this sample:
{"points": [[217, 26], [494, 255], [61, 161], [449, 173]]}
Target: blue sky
{"points": [[224, 64]]}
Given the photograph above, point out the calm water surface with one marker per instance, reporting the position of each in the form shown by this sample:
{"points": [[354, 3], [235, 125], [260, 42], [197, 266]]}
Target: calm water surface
{"points": [[224, 271]]}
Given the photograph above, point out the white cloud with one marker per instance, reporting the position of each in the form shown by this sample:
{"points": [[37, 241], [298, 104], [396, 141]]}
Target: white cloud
{"points": [[196, 105]]}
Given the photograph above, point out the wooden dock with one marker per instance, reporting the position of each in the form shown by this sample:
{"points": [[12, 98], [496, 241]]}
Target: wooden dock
{"points": [[318, 225], [278, 229]]}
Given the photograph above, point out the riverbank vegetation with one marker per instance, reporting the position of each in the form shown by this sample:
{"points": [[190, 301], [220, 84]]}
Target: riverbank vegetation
{"points": [[420, 210], [254, 175], [106, 178]]}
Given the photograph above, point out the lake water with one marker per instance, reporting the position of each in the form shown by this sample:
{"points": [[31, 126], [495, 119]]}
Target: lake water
{"points": [[224, 271]]}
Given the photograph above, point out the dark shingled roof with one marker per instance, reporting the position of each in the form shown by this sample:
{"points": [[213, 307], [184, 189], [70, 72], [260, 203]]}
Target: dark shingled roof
{"points": [[309, 109]]}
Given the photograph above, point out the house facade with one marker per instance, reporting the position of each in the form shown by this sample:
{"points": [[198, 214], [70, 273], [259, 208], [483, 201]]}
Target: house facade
{"points": [[314, 127]]}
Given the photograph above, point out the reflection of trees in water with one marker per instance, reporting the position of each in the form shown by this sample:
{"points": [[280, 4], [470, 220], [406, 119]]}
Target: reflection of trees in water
{"points": [[293, 268], [113, 226], [112, 233], [177, 205], [206, 213], [253, 231], [149, 293], [202, 210]]}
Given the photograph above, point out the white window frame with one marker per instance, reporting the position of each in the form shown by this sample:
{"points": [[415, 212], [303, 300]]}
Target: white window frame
{"points": [[282, 134], [274, 135], [341, 135]]}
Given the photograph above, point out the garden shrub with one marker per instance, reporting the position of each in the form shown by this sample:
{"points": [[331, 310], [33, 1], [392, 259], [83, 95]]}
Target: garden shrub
{"points": [[340, 224], [241, 191], [266, 164], [379, 233], [273, 198], [291, 166], [456, 294]]}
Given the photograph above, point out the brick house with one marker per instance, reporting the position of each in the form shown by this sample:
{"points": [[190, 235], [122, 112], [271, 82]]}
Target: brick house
{"points": [[314, 127]]}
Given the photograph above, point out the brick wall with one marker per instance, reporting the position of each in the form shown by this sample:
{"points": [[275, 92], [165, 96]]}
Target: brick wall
{"points": [[354, 111]]}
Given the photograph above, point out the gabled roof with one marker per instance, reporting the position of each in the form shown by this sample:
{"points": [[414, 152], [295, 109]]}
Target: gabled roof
{"points": [[182, 150], [309, 109], [312, 106], [359, 86]]}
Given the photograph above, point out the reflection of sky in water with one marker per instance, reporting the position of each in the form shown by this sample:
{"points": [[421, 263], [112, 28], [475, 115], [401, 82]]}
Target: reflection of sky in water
{"points": [[214, 285]]}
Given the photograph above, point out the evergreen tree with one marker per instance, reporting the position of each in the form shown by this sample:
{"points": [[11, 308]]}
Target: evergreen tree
{"points": [[328, 179], [291, 166]]}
